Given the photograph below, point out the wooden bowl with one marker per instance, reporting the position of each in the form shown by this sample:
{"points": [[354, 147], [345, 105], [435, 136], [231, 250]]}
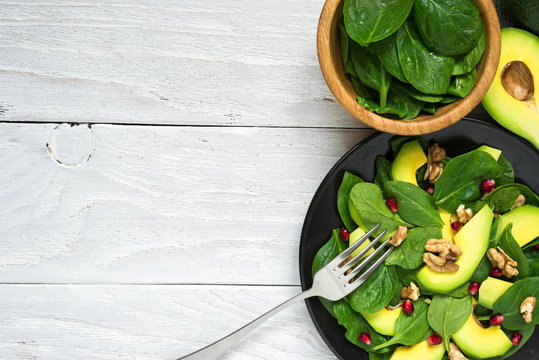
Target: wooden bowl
{"points": [[329, 56]]}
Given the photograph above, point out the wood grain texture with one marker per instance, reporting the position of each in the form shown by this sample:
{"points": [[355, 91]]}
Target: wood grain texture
{"points": [[150, 322], [145, 204], [191, 62]]}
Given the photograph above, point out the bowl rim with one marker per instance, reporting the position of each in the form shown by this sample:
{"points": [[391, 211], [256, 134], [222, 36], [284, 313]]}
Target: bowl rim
{"points": [[425, 123]]}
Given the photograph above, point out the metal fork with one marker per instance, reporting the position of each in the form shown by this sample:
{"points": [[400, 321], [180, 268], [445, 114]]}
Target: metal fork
{"points": [[333, 282]]}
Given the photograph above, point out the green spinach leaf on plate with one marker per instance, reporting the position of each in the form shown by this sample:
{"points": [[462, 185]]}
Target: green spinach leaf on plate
{"points": [[382, 171], [376, 292], [349, 180], [508, 173], [446, 315], [508, 244], [426, 71], [502, 199], [509, 304], [449, 27], [368, 21], [532, 257], [410, 329], [415, 205], [461, 179], [409, 254]]}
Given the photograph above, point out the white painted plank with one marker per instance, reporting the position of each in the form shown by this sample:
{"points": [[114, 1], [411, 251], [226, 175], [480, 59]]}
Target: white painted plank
{"points": [[150, 322], [231, 62], [161, 204]]}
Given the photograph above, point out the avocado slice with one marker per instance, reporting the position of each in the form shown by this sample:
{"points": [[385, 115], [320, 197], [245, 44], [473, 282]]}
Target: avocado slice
{"points": [[510, 99], [354, 236], [383, 321], [447, 232], [524, 219], [490, 150], [409, 158], [491, 289], [422, 350], [480, 343], [473, 240]]}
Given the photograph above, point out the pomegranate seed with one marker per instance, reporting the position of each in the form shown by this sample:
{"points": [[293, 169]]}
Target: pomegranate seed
{"points": [[434, 339], [474, 288], [495, 272], [537, 246], [516, 337], [496, 214], [365, 338], [408, 307], [391, 203], [429, 189], [456, 226], [487, 186], [496, 320], [345, 234]]}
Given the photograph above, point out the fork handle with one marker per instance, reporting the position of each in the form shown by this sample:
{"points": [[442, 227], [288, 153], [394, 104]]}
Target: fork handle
{"points": [[213, 351]]}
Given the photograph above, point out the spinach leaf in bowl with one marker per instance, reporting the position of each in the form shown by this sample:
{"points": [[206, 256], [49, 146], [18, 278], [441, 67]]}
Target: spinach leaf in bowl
{"points": [[362, 90], [449, 27], [426, 71], [368, 21], [402, 105], [413, 92], [467, 62], [387, 53], [461, 85]]}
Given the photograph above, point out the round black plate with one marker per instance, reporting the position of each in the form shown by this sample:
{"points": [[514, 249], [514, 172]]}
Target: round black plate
{"points": [[322, 215]]}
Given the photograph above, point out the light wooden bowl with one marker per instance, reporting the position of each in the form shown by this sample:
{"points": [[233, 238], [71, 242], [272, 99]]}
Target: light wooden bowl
{"points": [[329, 56]]}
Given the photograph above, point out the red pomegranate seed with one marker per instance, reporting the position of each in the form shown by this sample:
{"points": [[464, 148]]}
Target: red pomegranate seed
{"points": [[345, 234], [429, 189], [495, 272], [496, 214], [391, 203], [456, 226], [496, 320], [487, 186], [365, 338], [537, 246], [434, 339], [516, 337], [408, 307], [474, 288]]}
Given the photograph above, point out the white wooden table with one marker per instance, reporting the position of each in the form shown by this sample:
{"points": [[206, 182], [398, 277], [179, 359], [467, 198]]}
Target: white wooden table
{"points": [[157, 161]]}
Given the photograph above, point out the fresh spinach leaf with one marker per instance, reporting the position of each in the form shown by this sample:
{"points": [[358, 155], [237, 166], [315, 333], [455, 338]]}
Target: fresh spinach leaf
{"points": [[482, 270], [461, 85], [349, 180], [503, 199], [406, 276], [327, 253], [383, 356], [494, 232], [369, 21], [531, 243], [355, 324], [416, 206], [449, 27], [532, 257], [345, 49], [376, 292], [508, 173], [508, 244], [370, 70], [430, 108], [413, 92], [402, 105], [409, 254], [362, 90], [501, 196], [509, 304], [448, 99], [461, 179], [382, 171], [409, 329], [396, 143], [369, 202], [387, 53], [459, 292], [428, 72], [467, 62], [446, 315]]}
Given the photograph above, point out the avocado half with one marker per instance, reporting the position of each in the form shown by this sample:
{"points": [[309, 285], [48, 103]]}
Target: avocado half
{"points": [[512, 98]]}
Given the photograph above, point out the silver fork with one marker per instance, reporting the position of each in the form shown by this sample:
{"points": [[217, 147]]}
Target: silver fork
{"points": [[333, 282]]}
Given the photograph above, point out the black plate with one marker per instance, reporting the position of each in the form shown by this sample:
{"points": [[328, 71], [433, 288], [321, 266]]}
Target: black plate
{"points": [[323, 216]]}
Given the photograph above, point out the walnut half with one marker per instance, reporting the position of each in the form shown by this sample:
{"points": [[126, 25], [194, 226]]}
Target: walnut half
{"points": [[447, 252], [499, 259], [526, 308], [411, 292], [464, 215], [520, 200], [455, 353], [400, 235], [434, 163]]}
